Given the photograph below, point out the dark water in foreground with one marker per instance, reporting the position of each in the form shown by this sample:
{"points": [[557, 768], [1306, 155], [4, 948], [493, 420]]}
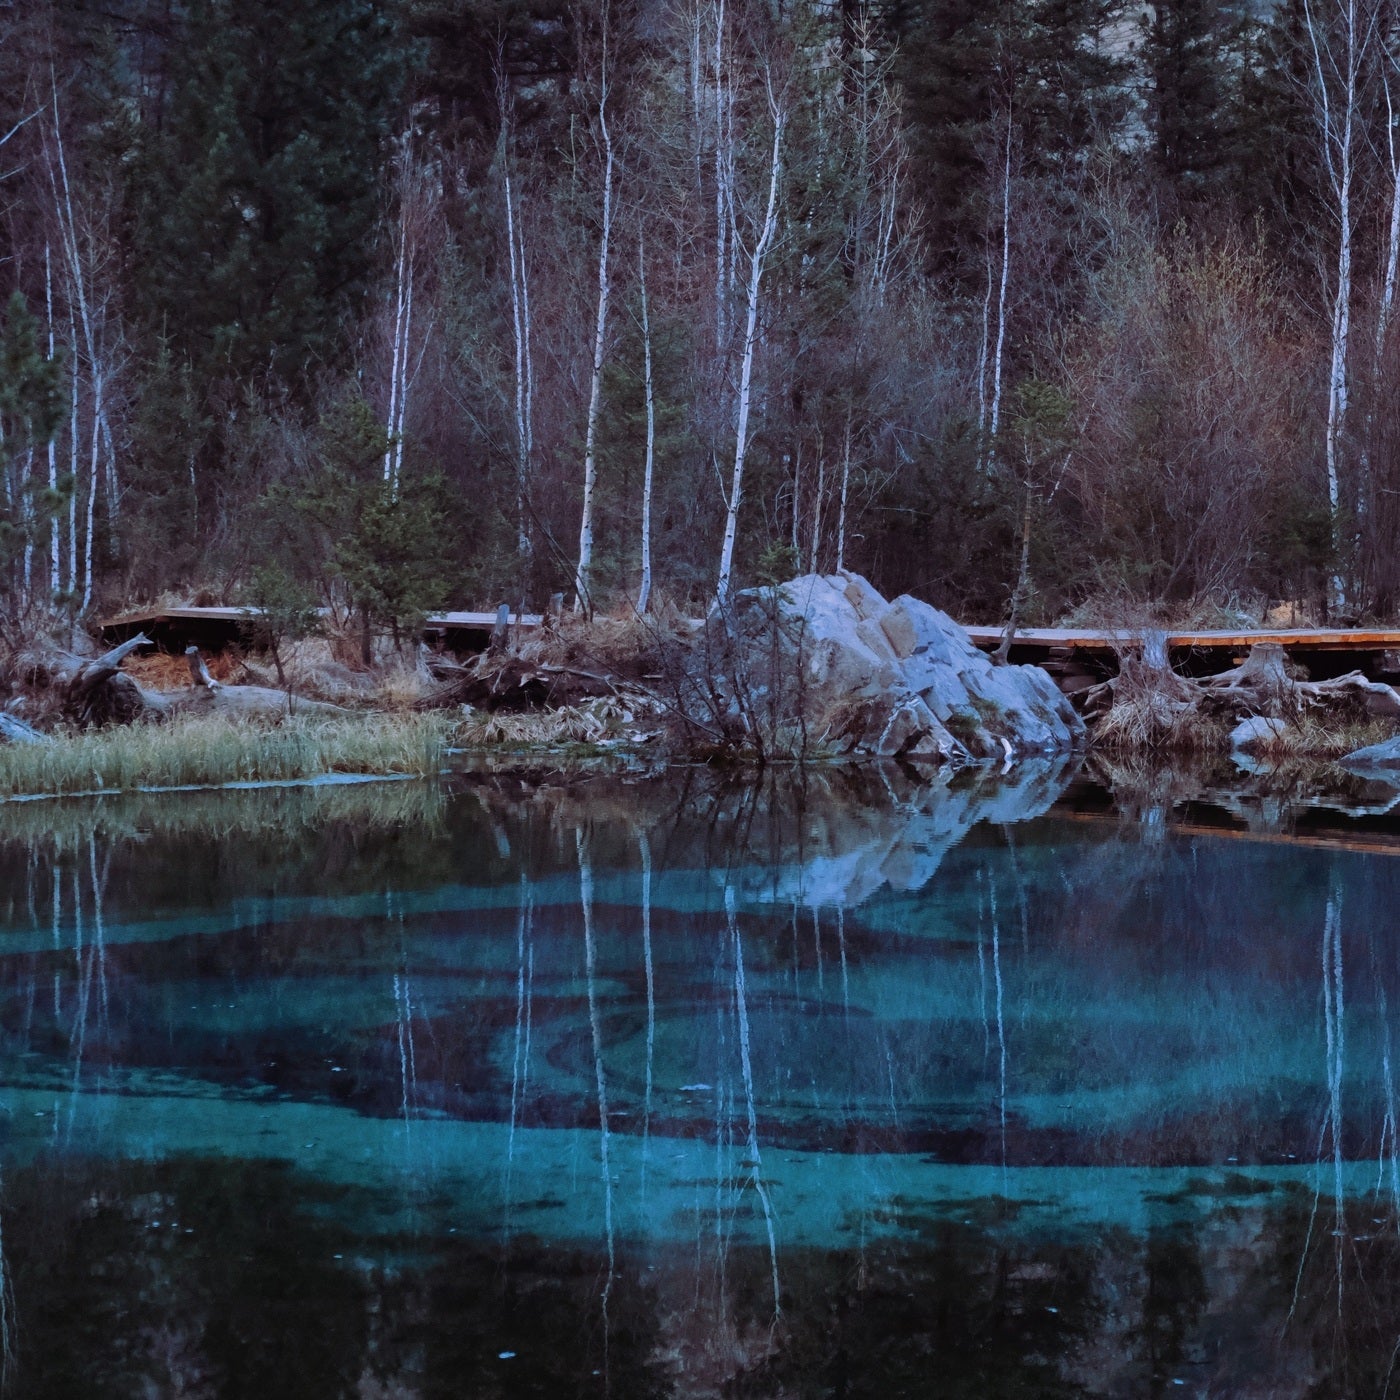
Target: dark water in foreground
{"points": [[838, 1086]]}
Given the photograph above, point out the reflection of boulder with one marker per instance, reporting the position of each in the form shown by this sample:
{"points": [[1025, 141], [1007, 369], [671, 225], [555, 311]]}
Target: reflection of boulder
{"points": [[899, 843], [1383, 759], [889, 679]]}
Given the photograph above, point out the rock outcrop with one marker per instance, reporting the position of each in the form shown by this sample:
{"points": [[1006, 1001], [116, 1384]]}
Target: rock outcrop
{"points": [[1374, 758], [827, 658]]}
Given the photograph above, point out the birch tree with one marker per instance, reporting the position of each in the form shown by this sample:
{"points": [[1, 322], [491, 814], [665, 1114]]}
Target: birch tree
{"points": [[415, 210], [649, 456], [1340, 34], [584, 578], [85, 260], [522, 326], [758, 255]]}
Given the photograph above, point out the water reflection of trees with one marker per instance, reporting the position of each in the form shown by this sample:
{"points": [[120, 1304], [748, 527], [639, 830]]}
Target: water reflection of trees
{"points": [[205, 1278], [923, 958]]}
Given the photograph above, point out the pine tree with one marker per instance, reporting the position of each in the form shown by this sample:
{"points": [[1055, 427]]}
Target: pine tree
{"points": [[1192, 53], [257, 198], [969, 68], [31, 407], [948, 56]]}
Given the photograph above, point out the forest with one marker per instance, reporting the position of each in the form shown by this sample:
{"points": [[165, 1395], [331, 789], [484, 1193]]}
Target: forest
{"points": [[1073, 306]]}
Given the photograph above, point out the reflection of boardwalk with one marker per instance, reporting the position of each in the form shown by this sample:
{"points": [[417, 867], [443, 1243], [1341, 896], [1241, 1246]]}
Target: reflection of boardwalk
{"points": [[1380, 841]]}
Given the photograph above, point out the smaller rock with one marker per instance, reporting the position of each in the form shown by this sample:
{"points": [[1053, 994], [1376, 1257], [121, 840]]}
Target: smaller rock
{"points": [[1257, 730], [1373, 757], [1382, 702]]}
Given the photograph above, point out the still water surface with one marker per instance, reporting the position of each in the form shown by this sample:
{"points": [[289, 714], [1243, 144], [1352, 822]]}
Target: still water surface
{"points": [[850, 1084]]}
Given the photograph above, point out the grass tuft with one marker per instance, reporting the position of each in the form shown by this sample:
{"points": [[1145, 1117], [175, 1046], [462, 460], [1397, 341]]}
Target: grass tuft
{"points": [[210, 750]]}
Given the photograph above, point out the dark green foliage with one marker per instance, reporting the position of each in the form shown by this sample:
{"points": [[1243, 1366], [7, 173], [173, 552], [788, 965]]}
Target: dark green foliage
{"points": [[31, 408], [379, 546], [1192, 51], [390, 558], [239, 218], [286, 610], [465, 44], [968, 68], [258, 183], [946, 530], [31, 389], [166, 512]]}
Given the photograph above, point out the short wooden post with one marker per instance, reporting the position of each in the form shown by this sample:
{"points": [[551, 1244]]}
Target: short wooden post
{"points": [[500, 633]]}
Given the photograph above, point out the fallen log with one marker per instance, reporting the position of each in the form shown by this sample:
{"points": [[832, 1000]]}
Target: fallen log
{"points": [[242, 701], [100, 692], [16, 731]]}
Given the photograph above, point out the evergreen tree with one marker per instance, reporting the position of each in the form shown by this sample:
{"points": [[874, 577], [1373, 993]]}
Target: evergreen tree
{"points": [[257, 198], [31, 407], [1191, 50], [1272, 137], [968, 68], [948, 55]]}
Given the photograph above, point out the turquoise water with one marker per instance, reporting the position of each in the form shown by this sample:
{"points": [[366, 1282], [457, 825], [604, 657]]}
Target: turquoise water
{"points": [[839, 1084]]}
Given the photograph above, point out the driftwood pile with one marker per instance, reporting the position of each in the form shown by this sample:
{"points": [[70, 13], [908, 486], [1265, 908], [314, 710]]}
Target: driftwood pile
{"points": [[513, 683], [86, 693]]}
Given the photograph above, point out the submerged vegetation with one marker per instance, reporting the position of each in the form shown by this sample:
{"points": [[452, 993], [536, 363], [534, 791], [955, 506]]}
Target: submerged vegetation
{"points": [[202, 751]]}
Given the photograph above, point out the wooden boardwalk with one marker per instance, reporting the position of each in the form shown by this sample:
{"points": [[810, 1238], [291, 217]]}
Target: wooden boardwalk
{"points": [[213, 629], [1323, 651], [1092, 639]]}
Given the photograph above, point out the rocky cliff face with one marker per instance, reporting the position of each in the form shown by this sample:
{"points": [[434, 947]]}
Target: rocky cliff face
{"points": [[827, 655]]}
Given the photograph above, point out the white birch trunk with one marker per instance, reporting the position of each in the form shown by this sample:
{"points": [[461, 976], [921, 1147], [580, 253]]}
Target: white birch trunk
{"points": [[52, 444], [723, 205], [994, 419], [649, 467], [984, 355], [524, 374], [845, 493], [1392, 243], [73, 463], [27, 515], [697, 120], [406, 380], [95, 353], [1337, 118], [399, 354], [741, 437], [584, 579], [91, 509]]}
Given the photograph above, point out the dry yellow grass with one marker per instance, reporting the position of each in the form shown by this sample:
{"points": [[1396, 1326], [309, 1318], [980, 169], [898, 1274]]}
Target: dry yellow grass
{"points": [[211, 750]]}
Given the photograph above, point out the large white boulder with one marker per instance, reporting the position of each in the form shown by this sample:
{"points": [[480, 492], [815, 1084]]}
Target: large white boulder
{"points": [[890, 679]]}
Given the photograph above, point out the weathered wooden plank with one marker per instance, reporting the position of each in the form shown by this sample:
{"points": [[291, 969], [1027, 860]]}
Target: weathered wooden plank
{"points": [[215, 628], [1103, 639], [1064, 641]]}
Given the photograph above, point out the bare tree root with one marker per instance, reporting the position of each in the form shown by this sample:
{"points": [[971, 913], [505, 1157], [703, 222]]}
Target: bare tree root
{"points": [[1148, 705]]}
